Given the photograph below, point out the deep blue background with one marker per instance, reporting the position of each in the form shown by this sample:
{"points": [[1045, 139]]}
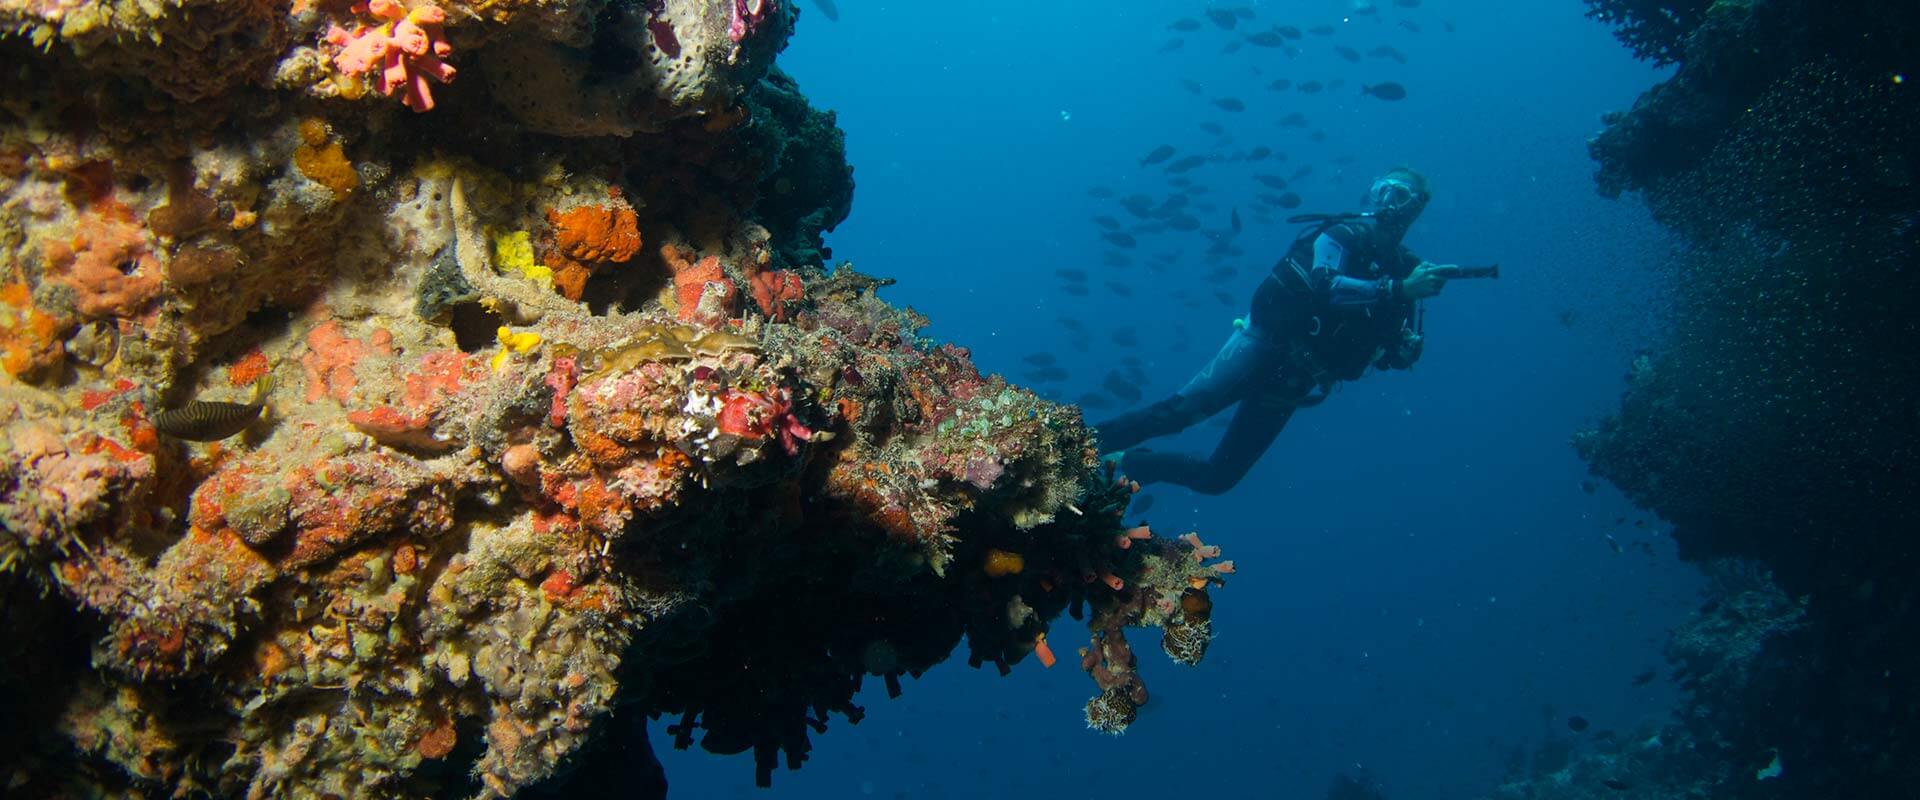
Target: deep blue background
{"points": [[1424, 585]]}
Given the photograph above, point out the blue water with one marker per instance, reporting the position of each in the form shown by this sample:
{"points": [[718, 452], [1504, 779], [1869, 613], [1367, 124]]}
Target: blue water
{"points": [[1424, 584]]}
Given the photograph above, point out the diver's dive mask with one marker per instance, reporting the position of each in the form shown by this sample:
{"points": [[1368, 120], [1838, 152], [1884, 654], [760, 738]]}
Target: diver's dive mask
{"points": [[1392, 195]]}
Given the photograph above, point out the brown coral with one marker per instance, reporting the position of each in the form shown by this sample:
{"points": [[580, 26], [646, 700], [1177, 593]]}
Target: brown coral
{"points": [[323, 161], [588, 237]]}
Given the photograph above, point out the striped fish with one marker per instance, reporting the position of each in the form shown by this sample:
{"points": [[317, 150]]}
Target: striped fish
{"points": [[211, 421]]}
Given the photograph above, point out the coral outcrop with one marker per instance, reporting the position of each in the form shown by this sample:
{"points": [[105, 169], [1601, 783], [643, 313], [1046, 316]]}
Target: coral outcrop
{"points": [[1774, 423], [1744, 642], [570, 416]]}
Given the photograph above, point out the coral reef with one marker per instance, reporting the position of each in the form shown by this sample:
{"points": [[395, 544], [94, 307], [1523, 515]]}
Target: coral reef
{"points": [[570, 415], [1655, 30], [1742, 643], [1774, 421], [809, 189]]}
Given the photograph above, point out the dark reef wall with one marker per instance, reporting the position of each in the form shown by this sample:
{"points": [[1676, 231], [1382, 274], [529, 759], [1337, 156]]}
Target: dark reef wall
{"points": [[1777, 421]]}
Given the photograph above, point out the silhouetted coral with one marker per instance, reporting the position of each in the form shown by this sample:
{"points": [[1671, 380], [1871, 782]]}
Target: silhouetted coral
{"points": [[1655, 30]]}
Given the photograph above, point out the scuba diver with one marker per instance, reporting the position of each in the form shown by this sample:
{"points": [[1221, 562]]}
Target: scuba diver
{"points": [[1343, 298]]}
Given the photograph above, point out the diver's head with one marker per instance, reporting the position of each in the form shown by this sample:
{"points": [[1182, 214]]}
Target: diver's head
{"points": [[1399, 196]]}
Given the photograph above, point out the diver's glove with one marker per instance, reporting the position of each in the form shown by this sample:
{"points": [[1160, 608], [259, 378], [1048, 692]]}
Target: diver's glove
{"points": [[1425, 282]]}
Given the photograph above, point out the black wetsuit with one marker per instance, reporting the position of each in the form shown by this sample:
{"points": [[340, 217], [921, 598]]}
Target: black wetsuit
{"points": [[1326, 312]]}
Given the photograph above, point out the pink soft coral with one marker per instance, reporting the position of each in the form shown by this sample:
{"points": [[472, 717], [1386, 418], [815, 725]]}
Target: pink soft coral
{"points": [[402, 52], [753, 415]]}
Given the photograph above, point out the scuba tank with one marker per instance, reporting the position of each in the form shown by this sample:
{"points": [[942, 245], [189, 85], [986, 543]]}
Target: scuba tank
{"points": [[1314, 225]]}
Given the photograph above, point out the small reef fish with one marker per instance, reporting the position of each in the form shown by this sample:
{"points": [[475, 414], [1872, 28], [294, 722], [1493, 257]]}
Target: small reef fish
{"points": [[1107, 222], [1100, 193], [1300, 173], [1407, 3], [1185, 25], [1074, 290], [1321, 30], [828, 10], [1224, 18], [1259, 153], [1289, 200], [1048, 374], [1280, 84], [1271, 181], [1172, 45], [1231, 47], [1311, 87], [1119, 288], [1192, 85], [1116, 260], [1042, 359], [1294, 120], [1336, 83], [1347, 53], [1289, 31], [1231, 104], [211, 421], [1388, 51], [1236, 220], [1075, 275], [1385, 91], [1120, 240], [1187, 164], [1266, 39], [1410, 25], [1159, 154], [1118, 385]]}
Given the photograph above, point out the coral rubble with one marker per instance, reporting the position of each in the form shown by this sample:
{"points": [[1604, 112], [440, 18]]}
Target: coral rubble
{"points": [[1775, 421], [570, 416]]}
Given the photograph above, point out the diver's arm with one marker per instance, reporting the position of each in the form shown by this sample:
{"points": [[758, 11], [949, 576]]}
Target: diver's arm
{"points": [[1338, 289]]}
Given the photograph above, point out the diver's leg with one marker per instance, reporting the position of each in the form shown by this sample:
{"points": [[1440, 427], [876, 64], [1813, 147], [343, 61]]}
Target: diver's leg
{"points": [[1256, 423], [1216, 386]]}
